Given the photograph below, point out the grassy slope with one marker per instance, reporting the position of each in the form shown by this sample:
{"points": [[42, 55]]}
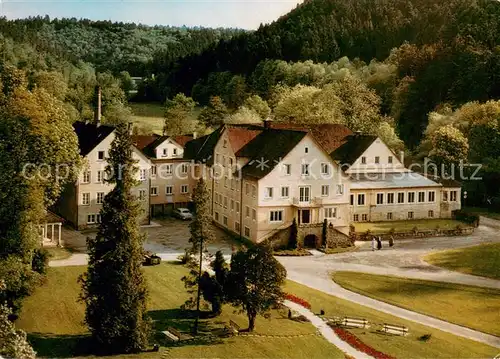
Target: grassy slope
{"points": [[148, 116], [54, 319], [482, 260], [401, 226], [483, 212], [441, 344], [57, 253], [473, 307]]}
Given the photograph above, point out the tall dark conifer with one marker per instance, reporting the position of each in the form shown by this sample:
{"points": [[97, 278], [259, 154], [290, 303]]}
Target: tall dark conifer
{"points": [[114, 287]]}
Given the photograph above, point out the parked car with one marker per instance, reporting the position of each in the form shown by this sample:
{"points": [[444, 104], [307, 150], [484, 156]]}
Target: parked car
{"points": [[150, 259], [183, 213]]}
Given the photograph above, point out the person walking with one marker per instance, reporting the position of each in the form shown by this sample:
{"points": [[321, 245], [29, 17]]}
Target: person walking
{"points": [[391, 241], [379, 243], [374, 243]]}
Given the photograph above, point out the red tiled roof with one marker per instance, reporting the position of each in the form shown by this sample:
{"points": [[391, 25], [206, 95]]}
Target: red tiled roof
{"points": [[329, 136], [240, 136], [183, 139], [141, 141]]}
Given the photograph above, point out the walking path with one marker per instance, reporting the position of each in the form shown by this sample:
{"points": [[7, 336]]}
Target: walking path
{"points": [[326, 331]]}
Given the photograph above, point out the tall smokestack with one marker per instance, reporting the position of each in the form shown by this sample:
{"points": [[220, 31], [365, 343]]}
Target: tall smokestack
{"points": [[97, 110]]}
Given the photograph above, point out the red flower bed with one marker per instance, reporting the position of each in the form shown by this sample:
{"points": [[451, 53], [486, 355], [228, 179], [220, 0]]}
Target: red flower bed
{"points": [[299, 301], [355, 342]]}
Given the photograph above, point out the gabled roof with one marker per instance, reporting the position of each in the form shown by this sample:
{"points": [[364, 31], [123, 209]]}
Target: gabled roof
{"points": [[330, 136], [141, 141], [202, 149], [353, 148], [148, 144], [267, 150], [90, 135], [240, 136], [182, 139]]}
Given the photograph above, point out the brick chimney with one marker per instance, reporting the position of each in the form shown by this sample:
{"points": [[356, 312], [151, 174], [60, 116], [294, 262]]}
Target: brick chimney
{"points": [[98, 104]]}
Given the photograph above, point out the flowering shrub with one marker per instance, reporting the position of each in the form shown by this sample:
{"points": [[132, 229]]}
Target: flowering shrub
{"points": [[299, 301], [356, 343]]}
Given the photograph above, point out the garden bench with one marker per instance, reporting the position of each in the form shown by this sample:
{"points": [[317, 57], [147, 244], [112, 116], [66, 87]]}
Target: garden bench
{"points": [[173, 334], [235, 328], [354, 322], [395, 329]]}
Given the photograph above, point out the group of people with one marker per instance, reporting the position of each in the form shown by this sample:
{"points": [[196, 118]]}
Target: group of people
{"points": [[377, 242]]}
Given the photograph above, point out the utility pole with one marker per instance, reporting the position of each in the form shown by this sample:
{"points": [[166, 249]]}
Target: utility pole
{"points": [[195, 330]]}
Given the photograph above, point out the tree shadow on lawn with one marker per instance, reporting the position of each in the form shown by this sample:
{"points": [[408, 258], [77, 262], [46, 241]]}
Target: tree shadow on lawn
{"points": [[59, 346]]}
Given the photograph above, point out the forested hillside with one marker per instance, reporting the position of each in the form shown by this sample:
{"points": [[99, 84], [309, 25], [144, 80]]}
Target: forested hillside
{"points": [[111, 46]]}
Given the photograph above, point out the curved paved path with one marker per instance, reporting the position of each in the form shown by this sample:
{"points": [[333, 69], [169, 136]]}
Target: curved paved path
{"points": [[404, 260]]}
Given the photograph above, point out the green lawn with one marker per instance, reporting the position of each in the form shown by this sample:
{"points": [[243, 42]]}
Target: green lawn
{"points": [[149, 116], [483, 212], [57, 253], [473, 307], [402, 226], [482, 260], [441, 344], [53, 318]]}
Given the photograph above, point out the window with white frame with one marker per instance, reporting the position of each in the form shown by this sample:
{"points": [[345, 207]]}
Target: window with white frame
{"points": [[237, 207], [276, 216], [401, 197], [390, 198], [355, 218], [100, 176], [175, 151], [453, 196], [421, 197], [431, 214], [224, 220], [225, 202], [325, 190], [91, 219], [254, 214], [306, 149], [247, 189], [389, 216], [165, 152], [169, 190], [232, 205], [340, 189], [247, 232], [142, 194], [305, 169], [363, 160], [101, 155], [86, 199], [153, 170], [285, 192], [389, 160], [305, 194], [254, 191], [410, 215], [184, 189], [445, 196], [142, 174], [361, 199], [287, 168], [431, 197], [232, 184], [380, 198], [325, 169], [364, 217], [377, 160], [184, 168], [268, 192], [352, 200], [100, 198], [411, 197], [154, 191], [330, 212], [168, 169], [86, 177], [247, 211]]}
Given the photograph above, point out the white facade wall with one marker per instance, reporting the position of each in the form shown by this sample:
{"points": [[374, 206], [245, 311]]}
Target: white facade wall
{"points": [[377, 149]]}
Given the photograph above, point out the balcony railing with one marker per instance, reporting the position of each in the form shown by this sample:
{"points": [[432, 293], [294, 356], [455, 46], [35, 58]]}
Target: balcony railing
{"points": [[311, 202]]}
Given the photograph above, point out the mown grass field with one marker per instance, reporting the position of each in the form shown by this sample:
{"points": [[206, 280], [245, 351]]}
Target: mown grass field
{"points": [[404, 226], [53, 318], [473, 307], [149, 116], [440, 345], [483, 212], [482, 260]]}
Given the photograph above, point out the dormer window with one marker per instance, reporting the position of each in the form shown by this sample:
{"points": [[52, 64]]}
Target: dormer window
{"points": [[165, 152], [175, 151]]}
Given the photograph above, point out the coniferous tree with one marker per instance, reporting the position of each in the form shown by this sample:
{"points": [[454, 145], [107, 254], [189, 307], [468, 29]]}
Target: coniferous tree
{"points": [[324, 234], [292, 241], [114, 287]]}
